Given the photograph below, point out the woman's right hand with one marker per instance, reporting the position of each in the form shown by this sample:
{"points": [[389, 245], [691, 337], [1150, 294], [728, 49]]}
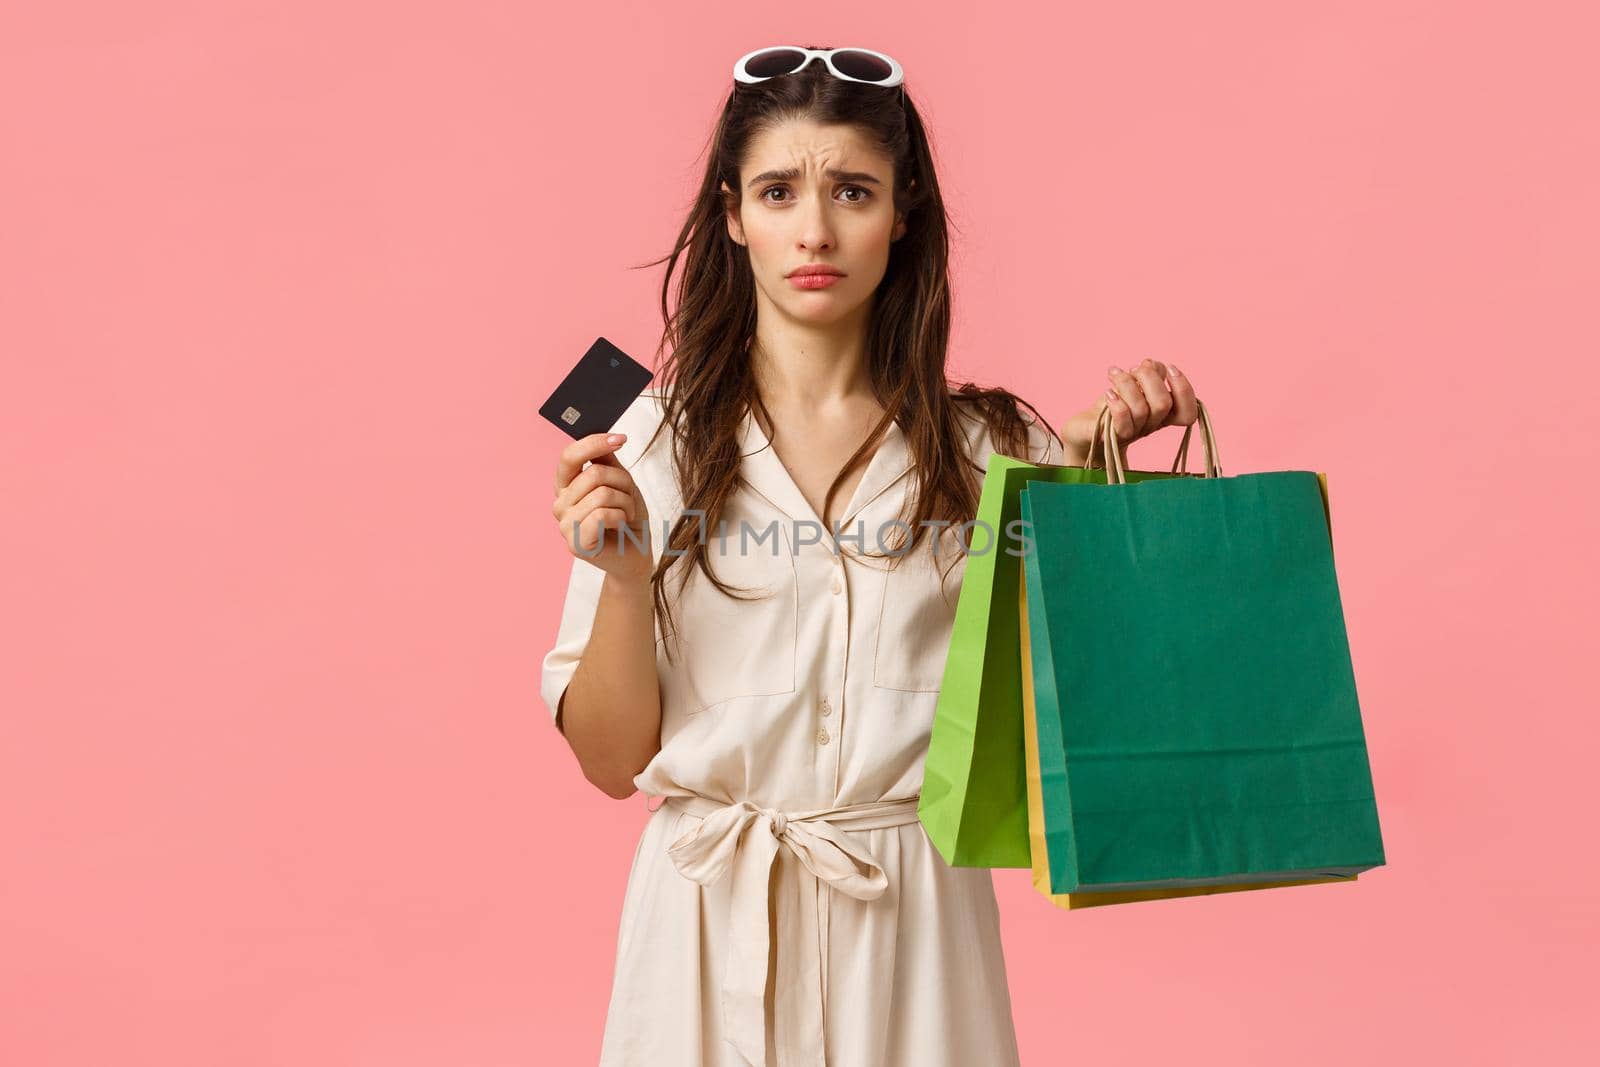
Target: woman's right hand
{"points": [[599, 500]]}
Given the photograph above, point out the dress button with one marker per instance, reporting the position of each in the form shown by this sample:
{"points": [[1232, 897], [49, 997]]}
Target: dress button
{"points": [[827, 709], [822, 737], [836, 586]]}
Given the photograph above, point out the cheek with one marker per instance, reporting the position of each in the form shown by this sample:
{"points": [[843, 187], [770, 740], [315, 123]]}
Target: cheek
{"points": [[873, 232], [766, 244]]}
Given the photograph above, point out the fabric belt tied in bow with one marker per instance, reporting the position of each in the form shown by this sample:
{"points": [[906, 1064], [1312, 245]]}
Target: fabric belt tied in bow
{"points": [[744, 839]]}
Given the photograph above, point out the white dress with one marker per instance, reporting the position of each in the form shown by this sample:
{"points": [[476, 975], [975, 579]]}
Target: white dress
{"points": [[793, 734]]}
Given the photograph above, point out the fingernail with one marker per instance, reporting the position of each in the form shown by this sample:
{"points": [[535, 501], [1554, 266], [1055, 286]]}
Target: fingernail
{"points": [[1173, 367], [1113, 369], [615, 439], [1111, 394]]}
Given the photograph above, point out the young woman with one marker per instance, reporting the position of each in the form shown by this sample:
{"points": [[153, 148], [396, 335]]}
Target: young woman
{"points": [[764, 579]]}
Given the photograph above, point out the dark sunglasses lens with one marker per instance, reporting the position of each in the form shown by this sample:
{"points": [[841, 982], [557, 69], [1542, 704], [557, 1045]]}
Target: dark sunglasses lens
{"points": [[773, 62], [863, 65]]}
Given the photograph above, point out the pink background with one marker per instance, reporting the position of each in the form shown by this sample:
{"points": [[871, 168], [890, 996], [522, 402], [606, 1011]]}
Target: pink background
{"points": [[282, 285]]}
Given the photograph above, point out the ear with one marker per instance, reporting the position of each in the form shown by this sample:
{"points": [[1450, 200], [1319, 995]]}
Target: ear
{"points": [[735, 230], [899, 218]]}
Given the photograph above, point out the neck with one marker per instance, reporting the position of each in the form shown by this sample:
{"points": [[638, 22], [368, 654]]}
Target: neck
{"points": [[808, 365]]}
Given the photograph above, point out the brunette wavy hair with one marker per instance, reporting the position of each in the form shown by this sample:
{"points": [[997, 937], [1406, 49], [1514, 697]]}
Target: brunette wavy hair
{"points": [[703, 353]]}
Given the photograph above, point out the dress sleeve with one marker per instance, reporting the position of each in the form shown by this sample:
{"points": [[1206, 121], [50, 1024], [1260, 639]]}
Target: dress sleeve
{"points": [[572, 637]]}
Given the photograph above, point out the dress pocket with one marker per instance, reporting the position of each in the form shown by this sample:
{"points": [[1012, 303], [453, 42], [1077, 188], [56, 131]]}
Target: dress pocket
{"points": [[736, 648], [915, 619]]}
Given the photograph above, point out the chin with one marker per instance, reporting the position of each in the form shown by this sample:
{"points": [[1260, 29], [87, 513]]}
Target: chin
{"points": [[830, 309]]}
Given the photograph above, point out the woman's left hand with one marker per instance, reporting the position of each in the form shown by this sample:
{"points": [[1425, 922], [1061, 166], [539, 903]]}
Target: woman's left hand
{"points": [[1142, 401]]}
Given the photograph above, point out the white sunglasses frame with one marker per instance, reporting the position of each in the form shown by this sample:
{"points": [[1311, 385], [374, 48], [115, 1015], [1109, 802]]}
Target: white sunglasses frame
{"points": [[897, 75]]}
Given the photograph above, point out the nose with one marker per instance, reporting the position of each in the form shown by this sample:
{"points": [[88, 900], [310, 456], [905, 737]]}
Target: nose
{"points": [[816, 230]]}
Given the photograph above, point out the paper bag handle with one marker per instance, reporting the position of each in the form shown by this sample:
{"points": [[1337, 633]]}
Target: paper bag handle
{"points": [[1104, 438]]}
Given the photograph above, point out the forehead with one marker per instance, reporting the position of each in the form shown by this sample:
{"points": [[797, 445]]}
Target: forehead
{"points": [[811, 146]]}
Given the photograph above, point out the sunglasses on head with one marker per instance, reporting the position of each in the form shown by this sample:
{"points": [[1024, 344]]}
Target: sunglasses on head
{"points": [[847, 64]]}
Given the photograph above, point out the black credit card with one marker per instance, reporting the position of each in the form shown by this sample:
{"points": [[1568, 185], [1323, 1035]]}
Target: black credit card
{"points": [[595, 393]]}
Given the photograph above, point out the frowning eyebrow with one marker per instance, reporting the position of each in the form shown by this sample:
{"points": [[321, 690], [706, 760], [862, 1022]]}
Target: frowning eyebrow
{"points": [[789, 174]]}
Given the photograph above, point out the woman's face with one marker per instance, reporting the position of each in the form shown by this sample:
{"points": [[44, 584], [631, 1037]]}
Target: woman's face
{"points": [[815, 194]]}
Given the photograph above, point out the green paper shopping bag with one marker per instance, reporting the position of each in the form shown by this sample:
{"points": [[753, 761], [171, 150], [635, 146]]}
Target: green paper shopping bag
{"points": [[1196, 713], [974, 794], [1038, 843]]}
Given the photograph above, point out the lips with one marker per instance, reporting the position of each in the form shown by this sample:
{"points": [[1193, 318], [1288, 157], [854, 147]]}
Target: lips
{"points": [[814, 269], [813, 281]]}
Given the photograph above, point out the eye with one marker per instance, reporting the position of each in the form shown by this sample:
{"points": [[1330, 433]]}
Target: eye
{"points": [[866, 194]]}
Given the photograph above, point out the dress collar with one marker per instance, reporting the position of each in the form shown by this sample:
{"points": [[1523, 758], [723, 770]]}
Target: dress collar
{"points": [[764, 472]]}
